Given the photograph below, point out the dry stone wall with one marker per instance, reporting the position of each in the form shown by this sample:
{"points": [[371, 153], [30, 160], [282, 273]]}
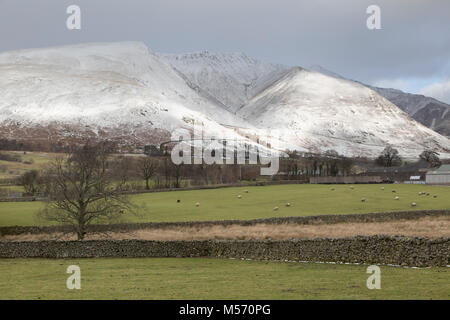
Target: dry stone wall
{"points": [[419, 252]]}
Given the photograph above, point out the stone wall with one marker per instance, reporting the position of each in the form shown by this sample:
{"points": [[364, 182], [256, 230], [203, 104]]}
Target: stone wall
{"points": [[345, 179], [419, 252]]}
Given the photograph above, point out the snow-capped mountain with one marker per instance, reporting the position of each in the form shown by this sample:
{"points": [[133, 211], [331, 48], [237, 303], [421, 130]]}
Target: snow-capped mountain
{"points": [[322, 112], [428, 111], [230, 78], [125, 92], [118, 90]]}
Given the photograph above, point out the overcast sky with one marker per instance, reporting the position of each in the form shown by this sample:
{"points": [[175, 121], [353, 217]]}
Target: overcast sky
{"points": [[411, 52]]}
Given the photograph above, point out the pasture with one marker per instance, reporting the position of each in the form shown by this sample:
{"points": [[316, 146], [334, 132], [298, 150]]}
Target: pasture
{"points": [[259, 202], [199, 278], [27, 161]]}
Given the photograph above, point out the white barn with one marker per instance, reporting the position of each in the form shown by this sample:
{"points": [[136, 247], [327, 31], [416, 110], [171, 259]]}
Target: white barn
{"points": [[439, 176]]}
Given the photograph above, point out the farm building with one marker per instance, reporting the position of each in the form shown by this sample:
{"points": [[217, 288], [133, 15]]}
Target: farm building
{"points": [[415, 180], [401, 173], [439, 176]]}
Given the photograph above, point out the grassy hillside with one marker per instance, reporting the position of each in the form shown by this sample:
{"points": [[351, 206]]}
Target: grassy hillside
{"points": [[220, 204], [196, 278], [28, 161]]}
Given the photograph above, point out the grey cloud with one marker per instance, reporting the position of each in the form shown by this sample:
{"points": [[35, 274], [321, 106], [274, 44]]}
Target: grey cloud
{"points": [[414, 40]]}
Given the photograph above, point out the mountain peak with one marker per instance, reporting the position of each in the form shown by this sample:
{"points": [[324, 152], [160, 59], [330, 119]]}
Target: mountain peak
{"points": [[231, 78], [129, 92]]}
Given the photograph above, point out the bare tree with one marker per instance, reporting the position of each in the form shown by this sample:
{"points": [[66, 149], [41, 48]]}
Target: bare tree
{"points": [[346, 165], [389, 157], [331, 162], [431, 157], [177, 172], [81, 190], [30, 182], [122, 168], [147, 168]]}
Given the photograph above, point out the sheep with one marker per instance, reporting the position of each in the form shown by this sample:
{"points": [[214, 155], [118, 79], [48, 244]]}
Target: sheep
{"points": [[420, 193], [332, 189], [393, 191], [413, 204], [275, 209], [428, 193], [178, 201], [352, 187], [246, 191], [197, 204], [396, 198], [382, 188], [288, 204], [435, 196], [363, 200], [239, 196]]}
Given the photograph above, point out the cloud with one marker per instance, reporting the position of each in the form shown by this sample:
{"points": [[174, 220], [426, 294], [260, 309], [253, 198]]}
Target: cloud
{"points": [[438, 90], [411, 44]]}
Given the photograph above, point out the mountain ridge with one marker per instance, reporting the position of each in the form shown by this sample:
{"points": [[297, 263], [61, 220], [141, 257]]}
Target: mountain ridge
{"points": [[429, 111], [125, 91]]}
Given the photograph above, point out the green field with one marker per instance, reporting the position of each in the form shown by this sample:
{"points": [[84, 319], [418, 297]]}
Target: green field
{"points": [[220, 204], [29, 161], [198, 278]]}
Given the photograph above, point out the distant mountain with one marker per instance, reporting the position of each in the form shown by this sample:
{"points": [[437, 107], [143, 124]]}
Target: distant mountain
{"points": [[126, 93], [231, 78], [428, 111], [119, 91], [321, 112]]}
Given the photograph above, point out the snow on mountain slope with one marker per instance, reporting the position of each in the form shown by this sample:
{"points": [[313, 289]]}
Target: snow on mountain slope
{"points": [[230, 78], [320, 112], [103, 87], [428, 111], [322, 70], [123, 91]]}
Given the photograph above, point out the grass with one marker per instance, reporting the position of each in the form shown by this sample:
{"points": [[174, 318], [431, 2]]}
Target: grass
{"points": [[9, 189], [220, 204], [199, 278], [12, 169], [429, 227]]}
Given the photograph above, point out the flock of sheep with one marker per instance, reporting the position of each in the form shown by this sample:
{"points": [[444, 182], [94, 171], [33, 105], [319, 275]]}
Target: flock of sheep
{"points": [[413, 204], [197, 204], [288, 204]]}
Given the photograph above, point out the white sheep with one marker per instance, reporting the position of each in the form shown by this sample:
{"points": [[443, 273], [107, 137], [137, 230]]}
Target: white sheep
{"points": [[246, 191], [363, 200], [275, 209], [382, 188], [396, 198], [288, 204], [352, 187], [239, 196], [197, 204], [413, 204]]}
